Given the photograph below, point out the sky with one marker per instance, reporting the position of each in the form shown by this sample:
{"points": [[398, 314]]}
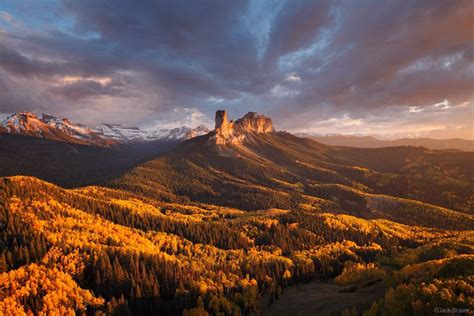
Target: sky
{"points": [[369, 67]]}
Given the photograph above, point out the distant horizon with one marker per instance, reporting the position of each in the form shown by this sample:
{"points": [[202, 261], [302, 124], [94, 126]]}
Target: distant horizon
{"points": [[378, 136]]}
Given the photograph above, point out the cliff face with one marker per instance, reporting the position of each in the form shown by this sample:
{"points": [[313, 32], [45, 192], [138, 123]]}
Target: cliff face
{"points": [[224, 128], [234, 132], [254, 123]]}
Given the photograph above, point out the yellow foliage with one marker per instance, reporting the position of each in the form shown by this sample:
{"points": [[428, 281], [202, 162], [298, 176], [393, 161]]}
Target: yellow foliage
{"points": [[355, 272], [54, 289]]}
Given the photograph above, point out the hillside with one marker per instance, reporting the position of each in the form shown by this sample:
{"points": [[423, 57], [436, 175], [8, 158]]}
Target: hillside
{"points": [[70, 164], [259, 170], [107, 250]]}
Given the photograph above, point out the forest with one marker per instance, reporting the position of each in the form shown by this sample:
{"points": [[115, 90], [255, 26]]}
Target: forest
{"points": [[97, 251]]}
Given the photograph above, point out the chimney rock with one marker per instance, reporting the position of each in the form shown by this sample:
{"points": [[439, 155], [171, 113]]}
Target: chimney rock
{"points": [[221, 118]]}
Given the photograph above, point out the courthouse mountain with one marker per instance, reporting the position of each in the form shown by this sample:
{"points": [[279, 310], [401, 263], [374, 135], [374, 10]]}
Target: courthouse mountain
{"points": [[248, 165]]}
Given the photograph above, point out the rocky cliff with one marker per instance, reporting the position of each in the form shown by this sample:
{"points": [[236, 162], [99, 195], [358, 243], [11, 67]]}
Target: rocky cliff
{"points": [[234, 132]]}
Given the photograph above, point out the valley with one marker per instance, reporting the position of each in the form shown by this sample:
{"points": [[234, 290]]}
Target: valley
{"points": [[324, 299]]}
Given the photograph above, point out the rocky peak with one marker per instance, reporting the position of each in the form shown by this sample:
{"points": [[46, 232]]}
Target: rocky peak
{"points": [[221, 118], [224, 128], [234, 132], [256, 123], [50, 127], [22, 121], [26, 115], [51, 119], [48, 118], [20, 118]]}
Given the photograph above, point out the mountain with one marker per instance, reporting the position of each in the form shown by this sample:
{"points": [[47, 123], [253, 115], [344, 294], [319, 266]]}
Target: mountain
{"points": [[68, 154], [65, 163], [52, 128], [134, 134], [61, 129], [372, 142], [250, 166], [235, 132]]}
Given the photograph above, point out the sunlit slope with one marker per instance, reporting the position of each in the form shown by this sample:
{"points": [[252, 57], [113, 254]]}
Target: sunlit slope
{"points": [[283, 171], [166, 255], [150, 256]]}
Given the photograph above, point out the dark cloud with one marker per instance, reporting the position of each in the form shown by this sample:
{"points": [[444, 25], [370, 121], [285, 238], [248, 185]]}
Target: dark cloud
{"points": [[392, 54], [14, 62], [88, 88], [299, 61], [296, 26]]}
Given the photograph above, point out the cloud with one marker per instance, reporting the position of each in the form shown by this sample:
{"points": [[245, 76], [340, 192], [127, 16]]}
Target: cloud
{"points": [[281, 91], [296, 26], [190, 117], [444, 105], [415, 109], [299, 61], [293, 77], [214, 100], [79, 89], [74, 79]]}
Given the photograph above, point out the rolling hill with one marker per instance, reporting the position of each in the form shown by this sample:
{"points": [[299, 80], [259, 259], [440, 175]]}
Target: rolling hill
{"points": [[104, 250]]}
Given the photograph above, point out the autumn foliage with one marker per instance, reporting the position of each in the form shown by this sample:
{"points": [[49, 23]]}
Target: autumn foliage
{"points": [[97, 250]]}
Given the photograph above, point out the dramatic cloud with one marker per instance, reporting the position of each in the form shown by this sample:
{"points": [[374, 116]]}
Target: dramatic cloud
{"points": [[374, 67]]}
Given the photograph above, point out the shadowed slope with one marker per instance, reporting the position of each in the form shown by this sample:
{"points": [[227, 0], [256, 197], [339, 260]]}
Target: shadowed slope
{"points": [[266, 170]]}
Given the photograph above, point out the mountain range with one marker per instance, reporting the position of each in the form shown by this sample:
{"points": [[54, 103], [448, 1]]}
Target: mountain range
{"points": [[123, 134], [248, 165], [61, 129], [52, 128], [229, 222], [372, 142]]}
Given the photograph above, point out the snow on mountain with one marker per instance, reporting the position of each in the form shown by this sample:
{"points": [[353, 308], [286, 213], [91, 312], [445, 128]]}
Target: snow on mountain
{"points": [[119, 132], [78, 131], [51, 127], [25, 123], [135, 134], [61, 129]]}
